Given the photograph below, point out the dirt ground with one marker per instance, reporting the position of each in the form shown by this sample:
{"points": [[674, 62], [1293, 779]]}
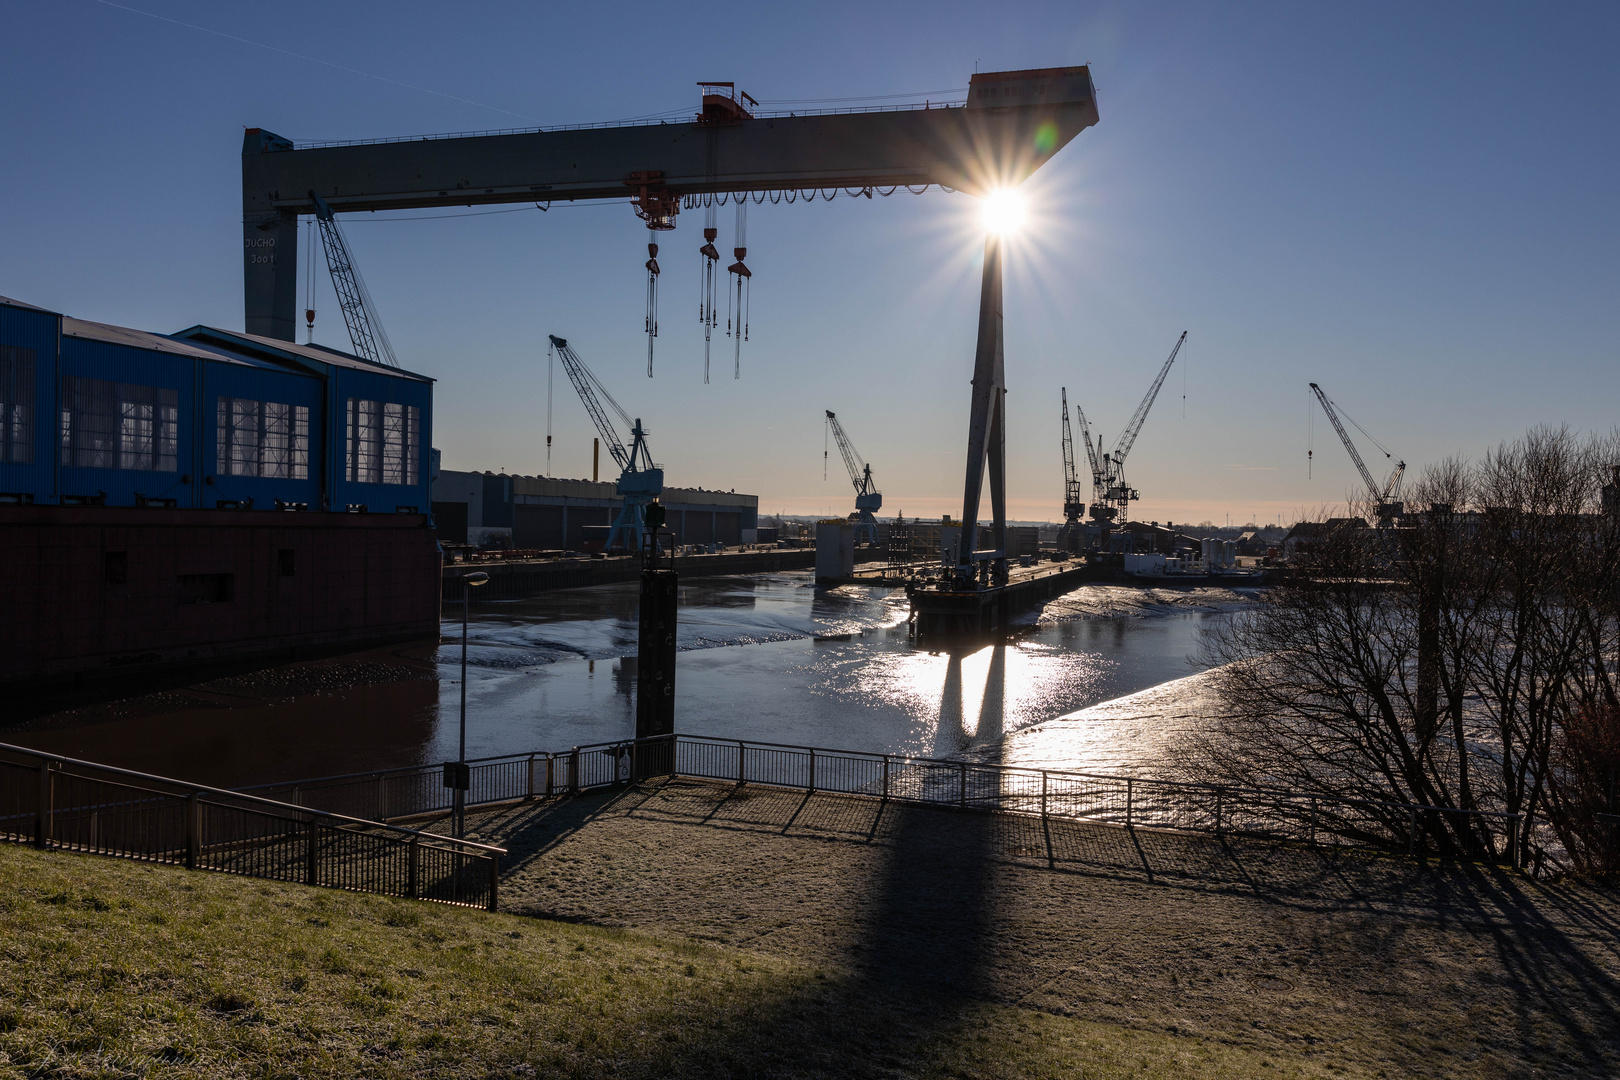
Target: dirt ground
{"points": [[1374, 963]]}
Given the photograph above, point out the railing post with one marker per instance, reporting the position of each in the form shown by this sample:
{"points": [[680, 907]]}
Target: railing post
{"points": [[193, 828], [494, 878], [573, 772], [312, 854], [961, 784], [742, 763], [42, 819], [1043, 794], [1130, 799], [885, 776], [413, 868], [811, 790], [635, 750], [530, 795]]}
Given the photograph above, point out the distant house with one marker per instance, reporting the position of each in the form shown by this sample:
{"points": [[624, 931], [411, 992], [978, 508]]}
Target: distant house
{"points": [[1303, 538]]}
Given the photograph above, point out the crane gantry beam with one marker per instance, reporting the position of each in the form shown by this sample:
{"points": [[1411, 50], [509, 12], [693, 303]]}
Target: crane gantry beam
{"points": [[1011, 124]]}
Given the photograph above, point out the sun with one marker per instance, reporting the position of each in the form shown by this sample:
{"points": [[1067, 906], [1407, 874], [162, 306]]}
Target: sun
{"points": [[1003, 211]]}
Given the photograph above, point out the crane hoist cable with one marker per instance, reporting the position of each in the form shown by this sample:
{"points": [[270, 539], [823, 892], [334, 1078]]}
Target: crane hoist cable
{"points": [[744, 278], [359, 313]]}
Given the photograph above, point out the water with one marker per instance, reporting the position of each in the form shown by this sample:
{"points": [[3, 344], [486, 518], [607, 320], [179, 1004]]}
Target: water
{"points": [[769, 658]]}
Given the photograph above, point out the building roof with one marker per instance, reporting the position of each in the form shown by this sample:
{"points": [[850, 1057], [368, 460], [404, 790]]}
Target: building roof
{"points": [[236, 340], [9, 302], [141, 339]]}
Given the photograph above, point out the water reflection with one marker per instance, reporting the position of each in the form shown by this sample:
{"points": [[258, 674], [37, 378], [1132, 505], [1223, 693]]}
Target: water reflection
{"points": [[768, 658]]}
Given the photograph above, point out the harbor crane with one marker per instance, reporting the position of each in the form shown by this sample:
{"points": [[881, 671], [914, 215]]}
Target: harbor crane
{"points": [[1099, 479], [1388, 508], [1117, 495], [641, 481], [1073, 494], [359, 313], [867, 497]]}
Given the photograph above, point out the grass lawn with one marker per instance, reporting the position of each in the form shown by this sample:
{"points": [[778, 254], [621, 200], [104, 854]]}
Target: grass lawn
{"points": [[118, 969]]}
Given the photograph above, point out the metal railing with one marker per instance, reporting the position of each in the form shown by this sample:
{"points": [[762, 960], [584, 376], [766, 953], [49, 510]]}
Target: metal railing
{"points": [[1125, 801], [684, 116], [61, 803]]}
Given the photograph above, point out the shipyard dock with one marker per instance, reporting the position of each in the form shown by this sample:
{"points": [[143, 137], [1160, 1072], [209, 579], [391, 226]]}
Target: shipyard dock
{"points": [[938, 611]]}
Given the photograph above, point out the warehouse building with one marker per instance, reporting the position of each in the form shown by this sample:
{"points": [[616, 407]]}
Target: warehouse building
{"points": [[541, 513], [173, 498]]}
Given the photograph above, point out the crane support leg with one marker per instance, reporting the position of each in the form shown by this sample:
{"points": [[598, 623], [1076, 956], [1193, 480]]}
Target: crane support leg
{"points": [[986, 433], [270, 273]]}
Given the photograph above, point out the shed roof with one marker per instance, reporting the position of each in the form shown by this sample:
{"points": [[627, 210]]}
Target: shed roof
{"points": [[290, 350], [141, 339], [9, 302]]}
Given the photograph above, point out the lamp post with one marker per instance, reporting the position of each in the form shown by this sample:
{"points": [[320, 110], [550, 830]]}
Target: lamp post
{"points": [[460, 777]]}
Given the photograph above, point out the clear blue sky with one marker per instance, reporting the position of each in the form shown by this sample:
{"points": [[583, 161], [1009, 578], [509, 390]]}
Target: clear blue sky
{"points": [[1414, 205]]}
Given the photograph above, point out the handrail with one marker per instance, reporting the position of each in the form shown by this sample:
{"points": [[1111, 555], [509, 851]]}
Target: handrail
{"points": [[398, 770], [682, 118], [1063, 773], [435, 838]]}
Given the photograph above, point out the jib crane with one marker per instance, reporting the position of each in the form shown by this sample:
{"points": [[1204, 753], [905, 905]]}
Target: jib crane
{"points": [[640, 479], [1388, 509], [867, 497], [1073, 494], [359, 313], [1117, 494]]}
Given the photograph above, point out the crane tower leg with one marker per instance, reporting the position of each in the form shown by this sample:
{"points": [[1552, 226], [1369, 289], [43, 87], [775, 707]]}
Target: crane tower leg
{"points": [[986, 435], [270, 274]]}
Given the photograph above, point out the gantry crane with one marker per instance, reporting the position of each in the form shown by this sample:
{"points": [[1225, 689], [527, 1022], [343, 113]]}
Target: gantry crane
{"points": [[1117, 495], [1073, 493], [359, 313], [1388, 509], [640, 479], [867, 497]]}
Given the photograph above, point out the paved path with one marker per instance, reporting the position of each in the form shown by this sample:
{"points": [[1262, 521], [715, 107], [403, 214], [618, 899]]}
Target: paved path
{"points": [[1431, 969]]}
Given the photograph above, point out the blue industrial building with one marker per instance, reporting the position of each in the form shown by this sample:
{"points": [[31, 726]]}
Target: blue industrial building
{"points": [[97, 415]]}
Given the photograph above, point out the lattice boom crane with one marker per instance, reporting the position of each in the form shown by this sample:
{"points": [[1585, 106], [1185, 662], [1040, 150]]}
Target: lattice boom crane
{"points": [[1384, 498], [1073, 494], [1118, 494], [359, 313], [641, 480], [867, 497]]}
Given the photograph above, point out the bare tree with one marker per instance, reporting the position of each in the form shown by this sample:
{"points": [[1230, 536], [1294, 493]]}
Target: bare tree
{"points": [[1422, 678]]}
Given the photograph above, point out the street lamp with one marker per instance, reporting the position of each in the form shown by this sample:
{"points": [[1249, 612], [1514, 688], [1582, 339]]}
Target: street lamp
{"points": [[459, 776]]}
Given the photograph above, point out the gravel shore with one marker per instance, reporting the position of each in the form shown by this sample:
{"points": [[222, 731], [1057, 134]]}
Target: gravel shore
{"points": [[1373, 964]]}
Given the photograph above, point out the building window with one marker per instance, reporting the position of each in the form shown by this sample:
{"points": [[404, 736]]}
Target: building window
{"points": [[108, 425], [261, 438], [16, 405], [384, 442]]}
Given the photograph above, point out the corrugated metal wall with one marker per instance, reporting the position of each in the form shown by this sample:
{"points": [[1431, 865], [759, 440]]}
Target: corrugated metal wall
{"points": [[28, 347], [92, 418]]}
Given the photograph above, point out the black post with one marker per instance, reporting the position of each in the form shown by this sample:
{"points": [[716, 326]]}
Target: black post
{"points": [[655, 657]]}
